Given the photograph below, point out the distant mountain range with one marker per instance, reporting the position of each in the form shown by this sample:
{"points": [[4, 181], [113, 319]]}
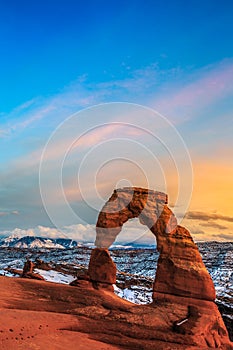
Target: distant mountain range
{"points": [[37, 242], [30, 242]]}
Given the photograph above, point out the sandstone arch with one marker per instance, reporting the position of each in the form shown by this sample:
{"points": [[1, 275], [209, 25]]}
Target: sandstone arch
{"points": [[180, 269]]}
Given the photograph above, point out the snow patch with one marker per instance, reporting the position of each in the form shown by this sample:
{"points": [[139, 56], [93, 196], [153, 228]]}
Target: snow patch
{"points": [[55, 276]]}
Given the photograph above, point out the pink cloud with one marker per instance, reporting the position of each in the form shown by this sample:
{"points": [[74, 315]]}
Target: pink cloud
{"points": [[212, 84], [67, 144]]}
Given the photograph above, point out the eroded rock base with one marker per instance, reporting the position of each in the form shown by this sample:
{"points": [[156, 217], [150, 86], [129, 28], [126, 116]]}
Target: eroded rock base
{"points": [[61, 316]]}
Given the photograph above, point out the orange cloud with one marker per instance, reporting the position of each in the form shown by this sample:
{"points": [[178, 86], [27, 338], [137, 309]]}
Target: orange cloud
{"points": [[211, 207]]}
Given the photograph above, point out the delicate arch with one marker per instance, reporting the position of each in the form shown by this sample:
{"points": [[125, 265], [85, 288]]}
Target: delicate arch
{"points": [[180, 269]]}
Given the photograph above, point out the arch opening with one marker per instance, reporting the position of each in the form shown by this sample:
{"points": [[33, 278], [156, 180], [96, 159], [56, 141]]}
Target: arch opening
{"points": [[135, 256]]}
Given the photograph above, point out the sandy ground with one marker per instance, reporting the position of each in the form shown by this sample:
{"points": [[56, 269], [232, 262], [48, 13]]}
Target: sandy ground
{"points": [[24, 330], [36, 329], [38, 315]]}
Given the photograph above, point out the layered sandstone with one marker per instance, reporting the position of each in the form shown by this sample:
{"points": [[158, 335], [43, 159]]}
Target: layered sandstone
{"points": [[183, 291], [180, 270]]}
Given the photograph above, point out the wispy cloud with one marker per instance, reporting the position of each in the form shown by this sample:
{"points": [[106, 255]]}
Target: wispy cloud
{"points": [[225, 236], [198, 215], [215, 225], [209, 226], [53, 109], [208, 231], [67, 144], [37, 116], [179, 94], [137, 81], [4, 133], [199, 89], [5, 213], [169, 91]]}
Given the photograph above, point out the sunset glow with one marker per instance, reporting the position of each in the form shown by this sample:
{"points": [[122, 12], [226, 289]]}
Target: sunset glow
{"points": [[60, 60]]}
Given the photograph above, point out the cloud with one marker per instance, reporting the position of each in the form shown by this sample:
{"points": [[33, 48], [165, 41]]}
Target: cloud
{"points": [[35, 117], [215, 225], [79, 94], [136, 81], [172, 91], [131, 231], [88, 139], [224, 236], [69, 141], [198, 215], [15, 212], [41, 231], [210, 234], [52, 109], [165, 90], [203, 227], [195, 230], [204, 87], [5, 213], [3, 133]]}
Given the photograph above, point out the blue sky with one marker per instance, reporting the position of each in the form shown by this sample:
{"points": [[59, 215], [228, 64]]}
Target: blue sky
{"points": [[45, 45], [58, 57]]}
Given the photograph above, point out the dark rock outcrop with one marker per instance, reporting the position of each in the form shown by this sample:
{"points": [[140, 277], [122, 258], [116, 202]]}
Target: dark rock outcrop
{"points": [[28, 267], [28, 271]]}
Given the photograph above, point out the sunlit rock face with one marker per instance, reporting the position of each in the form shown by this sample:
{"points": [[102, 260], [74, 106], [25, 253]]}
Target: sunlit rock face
{"points": [[124, 204], [102, 270], [180, 270]]}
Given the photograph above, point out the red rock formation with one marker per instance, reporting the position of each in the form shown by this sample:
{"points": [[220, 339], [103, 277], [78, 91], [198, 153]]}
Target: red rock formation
{"points": [[36, 315], [28, 271], [28, 267], [180, 269], [102, 270], [181, 282]]}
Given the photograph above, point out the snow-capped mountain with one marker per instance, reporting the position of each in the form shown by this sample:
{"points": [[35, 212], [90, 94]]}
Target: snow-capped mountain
{"points": [[16, 241], [7, 241]]}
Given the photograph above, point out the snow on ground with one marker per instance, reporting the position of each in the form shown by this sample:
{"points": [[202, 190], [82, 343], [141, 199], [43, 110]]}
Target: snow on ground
{"points": [[55, 276], [135, 294], [138, 267], [6, 273]]}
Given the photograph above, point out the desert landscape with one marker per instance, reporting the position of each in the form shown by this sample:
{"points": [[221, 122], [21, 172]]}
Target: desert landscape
{"points": [[116, 191], [181, 315], [43, 315]]}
